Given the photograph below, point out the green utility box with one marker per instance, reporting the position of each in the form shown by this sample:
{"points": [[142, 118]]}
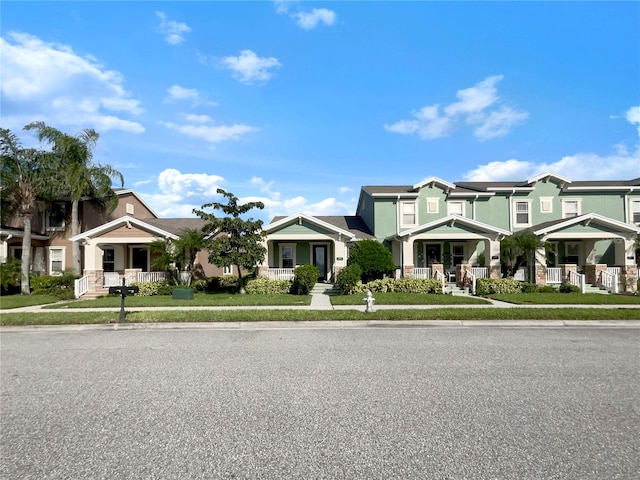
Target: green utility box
{"points": [[182, 294]]}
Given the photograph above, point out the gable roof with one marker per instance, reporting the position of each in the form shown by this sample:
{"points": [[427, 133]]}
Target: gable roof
{"points": [[556, 225], [433, 181], [125, 220], [350, 226], [453, 219], [123, 191]]}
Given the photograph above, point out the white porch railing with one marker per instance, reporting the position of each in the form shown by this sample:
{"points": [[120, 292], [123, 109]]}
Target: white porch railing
{"points": [[111, 279], [151, 277], [520, 275], [422, 272], [609, 280], [480, 272], [472, 281], [578, 279], [280, 273], [554, 275], [81, 286], [440, 276]]}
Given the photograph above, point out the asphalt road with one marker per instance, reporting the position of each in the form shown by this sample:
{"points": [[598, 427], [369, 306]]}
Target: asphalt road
{"points": [[366, 403]]}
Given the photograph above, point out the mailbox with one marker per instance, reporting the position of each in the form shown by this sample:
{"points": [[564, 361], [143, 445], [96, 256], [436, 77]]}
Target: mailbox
{"points": [[123, 290]]}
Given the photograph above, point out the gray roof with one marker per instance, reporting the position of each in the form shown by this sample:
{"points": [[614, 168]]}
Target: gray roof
{"points": [[351, 223], [176, 225]]}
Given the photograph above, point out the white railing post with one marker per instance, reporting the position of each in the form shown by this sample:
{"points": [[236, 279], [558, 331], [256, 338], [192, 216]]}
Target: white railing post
{"points": [[615, 282], [81, 286]]}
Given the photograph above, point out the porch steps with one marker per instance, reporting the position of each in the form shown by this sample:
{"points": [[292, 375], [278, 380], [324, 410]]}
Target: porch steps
{"points": [[595, 289], [454, 289], [324, 289], [95, 294]]}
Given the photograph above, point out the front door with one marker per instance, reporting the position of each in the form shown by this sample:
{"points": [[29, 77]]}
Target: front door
{"points": [[433, 253], [320, 260], [140, 258]]}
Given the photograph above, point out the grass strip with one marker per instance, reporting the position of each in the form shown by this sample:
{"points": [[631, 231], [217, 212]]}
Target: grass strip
{"points": [[570, 313], [16, 301], [199, 299], [393, 298], [566, 299]]}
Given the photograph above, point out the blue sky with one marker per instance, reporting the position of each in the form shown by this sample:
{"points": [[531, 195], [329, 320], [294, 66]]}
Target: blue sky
{"points": [[299, 104]]}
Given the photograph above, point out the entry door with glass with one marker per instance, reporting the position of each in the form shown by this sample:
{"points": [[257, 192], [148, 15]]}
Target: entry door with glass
{"points": [[320, 260]]}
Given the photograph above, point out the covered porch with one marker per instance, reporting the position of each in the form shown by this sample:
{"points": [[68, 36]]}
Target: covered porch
{"points": [[302, 239], [452, 249], [587, 250]]}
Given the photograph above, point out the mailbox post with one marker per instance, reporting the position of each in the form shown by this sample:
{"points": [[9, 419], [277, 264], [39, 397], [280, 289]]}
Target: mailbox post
{"points": [[123, 291]]}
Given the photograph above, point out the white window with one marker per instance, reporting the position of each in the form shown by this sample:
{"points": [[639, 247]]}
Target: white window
{"points": [[571, 208], [522, 213], [56, 215], [227, 270], [455, 208], [287, 256], [546, 204], [130, 209], [56, 259], [457, 254], [408, 213], [635, 211], [432, 205]]}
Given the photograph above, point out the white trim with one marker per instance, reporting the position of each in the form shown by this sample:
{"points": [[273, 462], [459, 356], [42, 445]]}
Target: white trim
{"points": [[463, 207], [310, 219], [625, 227], [127, 190], [402, 214], [578, 188], [433, 201], [453, 219], [565, 201], [549, 202], [514, 203], [472, 194], [126, 220], [548, 175], [281, 246], [633, 201], [50, 259], [433, 180]]}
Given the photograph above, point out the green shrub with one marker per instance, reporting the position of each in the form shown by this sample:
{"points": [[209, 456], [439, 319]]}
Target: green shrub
{"points": [[266, 286], [61, 286], [373, 258], [348, 278], [304, 278], [490, 286], [149, 289], [10, 274], [528, 287], [568, 288], [547, 289], [401, 285]]}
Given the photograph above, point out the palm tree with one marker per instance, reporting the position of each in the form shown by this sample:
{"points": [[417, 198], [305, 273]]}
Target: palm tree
{"points": [[25, 175], [79, 176], [187, 246]]}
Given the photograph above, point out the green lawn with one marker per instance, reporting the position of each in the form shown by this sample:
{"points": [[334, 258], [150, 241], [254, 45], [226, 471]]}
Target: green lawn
{"points": [[200, 299], [567, 299], [17, 301], [522, 313], [386, 298]]}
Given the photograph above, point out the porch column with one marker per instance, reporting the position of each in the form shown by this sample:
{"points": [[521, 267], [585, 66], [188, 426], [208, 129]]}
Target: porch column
{"points": [[492, 258], [407, 258], [592, 272], [630, 278], [540, 267]]}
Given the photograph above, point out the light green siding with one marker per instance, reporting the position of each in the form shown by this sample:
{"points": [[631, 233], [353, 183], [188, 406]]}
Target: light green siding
{"points": [[385, 218], [306, 228]]}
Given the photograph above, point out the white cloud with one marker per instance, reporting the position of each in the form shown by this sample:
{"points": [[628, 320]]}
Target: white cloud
{"points": [[174, 183], [478, 106], [49, 82], [197, 126], [306, 19], [172, 31], [618, 165], [275, 205], [249, 68], [344, 190], [633, 116], [176, 92]]}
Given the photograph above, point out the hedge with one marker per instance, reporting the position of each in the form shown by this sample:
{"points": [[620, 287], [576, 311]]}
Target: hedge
{"points": [[263, 286]]}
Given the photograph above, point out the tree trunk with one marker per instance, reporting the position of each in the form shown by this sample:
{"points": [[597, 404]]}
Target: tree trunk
{"points": [[241, 289], [75, 246], [26, 255]]}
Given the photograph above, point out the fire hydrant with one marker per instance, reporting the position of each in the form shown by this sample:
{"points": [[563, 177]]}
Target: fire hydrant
{"points": [[368, 300]]}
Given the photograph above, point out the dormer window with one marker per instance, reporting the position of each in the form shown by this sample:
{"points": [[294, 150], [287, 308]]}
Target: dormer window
{"points": [[455, 208]]}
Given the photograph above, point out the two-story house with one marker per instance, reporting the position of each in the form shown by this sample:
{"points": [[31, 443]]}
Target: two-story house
{"points": [[438, 228]]}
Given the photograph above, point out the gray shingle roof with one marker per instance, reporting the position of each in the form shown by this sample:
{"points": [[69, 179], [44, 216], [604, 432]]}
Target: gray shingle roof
{"points": [[351, 223], [176, 225]]}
